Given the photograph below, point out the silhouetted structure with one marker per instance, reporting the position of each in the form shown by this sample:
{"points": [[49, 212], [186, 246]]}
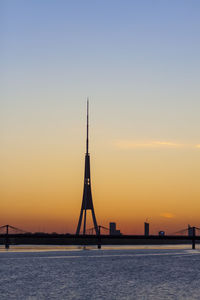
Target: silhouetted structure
{"points": [[146, 228], [10, 235], [87, 203], [193, 237], [190, 230], [161, 233], [113, 230], [14, 229]]}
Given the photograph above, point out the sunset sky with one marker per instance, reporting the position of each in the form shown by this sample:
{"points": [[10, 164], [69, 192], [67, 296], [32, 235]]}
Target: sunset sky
{"points": [[138, 62]]}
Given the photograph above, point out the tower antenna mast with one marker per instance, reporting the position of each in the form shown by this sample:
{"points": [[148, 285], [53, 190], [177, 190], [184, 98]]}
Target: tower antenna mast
{"points": [[87, 140], [87, 202]]}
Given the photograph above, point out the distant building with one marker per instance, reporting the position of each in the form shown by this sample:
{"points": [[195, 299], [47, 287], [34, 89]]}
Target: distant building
{"points": [[161, 233], [146, 228], [113, 230]]}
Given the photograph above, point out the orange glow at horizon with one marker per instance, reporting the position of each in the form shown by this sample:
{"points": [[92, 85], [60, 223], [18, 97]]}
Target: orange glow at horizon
{"points": [[139, 66], [44, 193]]}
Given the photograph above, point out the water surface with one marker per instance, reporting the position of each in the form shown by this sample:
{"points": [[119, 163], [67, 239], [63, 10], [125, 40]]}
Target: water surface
{"points": [[133, 272]]}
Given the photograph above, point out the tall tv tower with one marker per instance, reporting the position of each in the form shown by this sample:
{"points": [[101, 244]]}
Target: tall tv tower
{"points": [[87, 203]]}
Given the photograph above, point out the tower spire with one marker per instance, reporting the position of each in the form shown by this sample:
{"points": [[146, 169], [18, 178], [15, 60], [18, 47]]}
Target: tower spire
{"points": [[87, 203], [87, 140]]}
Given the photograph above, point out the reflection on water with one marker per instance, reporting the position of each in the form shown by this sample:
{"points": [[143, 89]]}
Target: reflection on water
{"points": [[41, 248], [114, 272]]}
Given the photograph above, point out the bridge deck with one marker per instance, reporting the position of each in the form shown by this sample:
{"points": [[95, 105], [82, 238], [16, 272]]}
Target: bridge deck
{"points": [[63, 239]]}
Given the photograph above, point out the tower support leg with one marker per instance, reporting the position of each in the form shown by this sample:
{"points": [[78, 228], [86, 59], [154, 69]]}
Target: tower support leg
{"points": [[7, 238], [193, 243], [79, 222], [95, 222], [84, 225], [193, 238]]}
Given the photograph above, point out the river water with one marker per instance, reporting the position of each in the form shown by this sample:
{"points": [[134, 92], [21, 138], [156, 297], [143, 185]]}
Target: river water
{"points": [[169, 272]]}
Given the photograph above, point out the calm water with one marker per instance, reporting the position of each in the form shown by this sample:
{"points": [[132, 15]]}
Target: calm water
{"points": [[110, 273]]}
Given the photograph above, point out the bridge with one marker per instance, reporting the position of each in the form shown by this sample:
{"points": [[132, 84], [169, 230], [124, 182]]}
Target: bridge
{"points": [[10, 235]]}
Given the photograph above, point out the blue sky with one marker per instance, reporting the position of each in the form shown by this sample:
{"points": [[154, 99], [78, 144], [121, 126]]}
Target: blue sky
{"points": [[143, 55], [138, 61]]}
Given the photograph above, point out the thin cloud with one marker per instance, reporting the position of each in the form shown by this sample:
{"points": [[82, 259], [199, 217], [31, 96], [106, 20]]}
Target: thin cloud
{"points": [[167, 215], [129, 144]]}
